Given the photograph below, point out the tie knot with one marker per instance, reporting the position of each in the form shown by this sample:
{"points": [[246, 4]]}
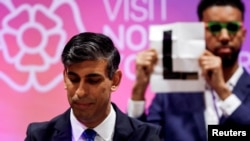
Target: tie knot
{"points": [[89, 134]]}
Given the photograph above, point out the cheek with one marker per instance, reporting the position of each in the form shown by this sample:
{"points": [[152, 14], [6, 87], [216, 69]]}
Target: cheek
{"points": [[105, 87], [104, 91], [70, 93], [238, 40], [210, 41]]}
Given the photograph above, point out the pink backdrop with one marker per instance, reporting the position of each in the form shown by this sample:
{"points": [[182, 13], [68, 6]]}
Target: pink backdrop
{"points": [[33, 33]]}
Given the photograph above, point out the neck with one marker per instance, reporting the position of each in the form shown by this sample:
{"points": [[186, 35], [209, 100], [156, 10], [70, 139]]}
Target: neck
{"points": [[98, 119]]}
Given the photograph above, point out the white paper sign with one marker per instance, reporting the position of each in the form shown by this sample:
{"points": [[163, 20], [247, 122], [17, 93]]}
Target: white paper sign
{"points": [[178, 45]]}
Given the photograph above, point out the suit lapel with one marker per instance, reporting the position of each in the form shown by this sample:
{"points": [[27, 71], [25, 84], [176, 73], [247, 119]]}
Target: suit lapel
{"points": [[122, 127], [63, 128], [242, 87]]}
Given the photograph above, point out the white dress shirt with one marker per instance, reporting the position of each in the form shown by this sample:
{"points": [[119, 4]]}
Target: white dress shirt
{"points": [[105, 130], [225, 107]]}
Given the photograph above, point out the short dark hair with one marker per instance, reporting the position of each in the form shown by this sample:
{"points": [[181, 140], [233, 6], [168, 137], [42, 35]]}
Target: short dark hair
{"points": [[204, 4], [91, 46]]}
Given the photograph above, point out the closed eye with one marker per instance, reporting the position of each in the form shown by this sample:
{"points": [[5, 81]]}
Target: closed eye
{"points": [[94, 80], [73, 77]]}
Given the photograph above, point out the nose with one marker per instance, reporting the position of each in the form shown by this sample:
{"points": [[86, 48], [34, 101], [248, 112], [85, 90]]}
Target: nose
{"points": [[224, 36], [80, 91]]}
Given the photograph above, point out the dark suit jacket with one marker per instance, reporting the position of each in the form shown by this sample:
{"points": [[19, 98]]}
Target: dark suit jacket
{"points": [[126, 129], [182, 115]]}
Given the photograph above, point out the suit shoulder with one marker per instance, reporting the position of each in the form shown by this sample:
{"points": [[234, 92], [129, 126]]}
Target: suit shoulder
{"points": [[144, 131], [148, 126], [47, 126], [38, 126]]}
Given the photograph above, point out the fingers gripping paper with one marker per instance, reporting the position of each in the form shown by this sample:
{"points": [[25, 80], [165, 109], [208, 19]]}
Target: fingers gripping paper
{"points": [[179, 46]]}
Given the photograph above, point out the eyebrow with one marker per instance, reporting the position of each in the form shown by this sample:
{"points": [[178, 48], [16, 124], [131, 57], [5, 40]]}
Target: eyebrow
{"points": [[89, 75], [71, 73]]}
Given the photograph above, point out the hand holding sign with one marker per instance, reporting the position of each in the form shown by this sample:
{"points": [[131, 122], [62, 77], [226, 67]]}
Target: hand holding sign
{"points": [[178, 46]]}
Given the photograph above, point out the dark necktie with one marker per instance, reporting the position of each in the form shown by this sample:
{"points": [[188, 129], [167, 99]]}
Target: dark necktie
{"points": [[89, 134]]}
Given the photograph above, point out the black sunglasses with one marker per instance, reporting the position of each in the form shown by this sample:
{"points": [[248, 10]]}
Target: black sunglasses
{"points": [[215, 27]]}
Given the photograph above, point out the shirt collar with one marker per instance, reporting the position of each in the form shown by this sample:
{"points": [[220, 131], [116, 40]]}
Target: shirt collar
{"points": [[234, 78], [76, 126], [108, 124], [106, 129]]}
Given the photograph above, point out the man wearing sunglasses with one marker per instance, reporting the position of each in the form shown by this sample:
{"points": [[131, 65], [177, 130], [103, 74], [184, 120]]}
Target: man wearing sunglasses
{"points": [[226, 100]]}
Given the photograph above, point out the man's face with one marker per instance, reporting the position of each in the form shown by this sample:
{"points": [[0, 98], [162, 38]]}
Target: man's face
{"points": [[224, 42], [89, 89]]}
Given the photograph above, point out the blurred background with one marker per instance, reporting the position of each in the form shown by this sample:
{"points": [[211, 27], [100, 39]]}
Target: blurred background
{"points": [[34, 32]]}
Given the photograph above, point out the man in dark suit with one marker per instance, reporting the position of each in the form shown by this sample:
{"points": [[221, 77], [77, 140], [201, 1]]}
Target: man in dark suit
{"points": [[226, 100], [91, 73]]}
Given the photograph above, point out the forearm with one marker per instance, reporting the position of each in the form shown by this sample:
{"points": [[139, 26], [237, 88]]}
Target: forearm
{"points": [[138, 91], [223, 92]]}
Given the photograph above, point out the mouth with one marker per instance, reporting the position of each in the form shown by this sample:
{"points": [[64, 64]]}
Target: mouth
{"points": [[223, 50], [82, 106]]}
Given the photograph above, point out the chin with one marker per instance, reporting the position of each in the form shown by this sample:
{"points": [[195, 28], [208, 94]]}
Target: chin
{"points": [[226, 62]]}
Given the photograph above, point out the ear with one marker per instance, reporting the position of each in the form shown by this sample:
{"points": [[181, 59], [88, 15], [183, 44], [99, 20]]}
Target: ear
{"points": [[116, 80], [244, 33], [64, 78]]}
